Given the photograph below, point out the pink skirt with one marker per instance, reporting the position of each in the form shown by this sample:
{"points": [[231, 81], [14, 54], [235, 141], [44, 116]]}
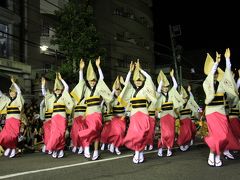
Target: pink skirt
{"points": [[218, 130], [46, 131], [93, 129], [235, 126], [185, 134], [194, 130], [151, 133], [167, 128], [78, 125], [136, 137], [9, 133], [105, 132], [117, 132], [57, 135]]}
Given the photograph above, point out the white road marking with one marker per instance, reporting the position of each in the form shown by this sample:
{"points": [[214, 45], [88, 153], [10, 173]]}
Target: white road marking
{"points": [[73, 165]]}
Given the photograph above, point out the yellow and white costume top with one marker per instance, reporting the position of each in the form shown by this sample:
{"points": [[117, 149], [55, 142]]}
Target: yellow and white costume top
{"points": [[214, 90], [94, 96], [14, 106], [61, 104], [170, 101], [78, 98], [138, 98], [190, 108]]}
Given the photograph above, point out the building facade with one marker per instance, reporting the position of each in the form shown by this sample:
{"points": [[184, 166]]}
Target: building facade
{"points": [[126, 31], [125, 28]]}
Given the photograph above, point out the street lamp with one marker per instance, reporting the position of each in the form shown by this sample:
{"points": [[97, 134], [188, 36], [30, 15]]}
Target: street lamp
{"points": [[44, 48]]}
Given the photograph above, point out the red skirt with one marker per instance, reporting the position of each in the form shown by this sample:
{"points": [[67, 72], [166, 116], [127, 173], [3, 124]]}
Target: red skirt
{"points": [[93, 129], [9, 133], [233, 141], [136, 137], [117, 132], [167, 128], [46, 131], [57, 135], [151, 133], [235, 126], [105, 133], [194, 130], [78, 125], [218, 130], [185, 134]]}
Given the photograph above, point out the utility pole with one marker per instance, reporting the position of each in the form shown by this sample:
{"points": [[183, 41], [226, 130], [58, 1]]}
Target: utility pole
{"points": [[172, 36]]}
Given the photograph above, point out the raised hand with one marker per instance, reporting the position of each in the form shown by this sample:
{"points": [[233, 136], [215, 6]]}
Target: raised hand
{"points": [[59, 76], [43, 81], [189, 88], [137, 64], [12, 79], [98, 62], [81, 64], [131, 67], [218, 57], [172, 73], [227, 53]]}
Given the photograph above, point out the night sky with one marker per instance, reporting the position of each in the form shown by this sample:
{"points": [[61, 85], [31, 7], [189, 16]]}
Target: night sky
{"points": [[212, 28]]}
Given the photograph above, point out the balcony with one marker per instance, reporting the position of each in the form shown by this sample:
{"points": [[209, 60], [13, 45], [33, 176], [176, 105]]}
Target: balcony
{"points": [[132, 26], [7, 66], [138, 6], [8, 16]]}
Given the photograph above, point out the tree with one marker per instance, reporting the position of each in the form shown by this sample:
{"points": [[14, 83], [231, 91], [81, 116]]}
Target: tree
{"points": [[76, 36]]}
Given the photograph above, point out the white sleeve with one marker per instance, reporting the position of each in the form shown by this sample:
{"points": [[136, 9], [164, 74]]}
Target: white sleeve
{"points": [[66, 88], [128, 77], [0, 93], [190, 93], [145, 74], [174, 82], [113, 91], [17, 88], [228, 63], [41, 110], [214, 68], [43, 90], [101, 77], [238, 83], [80, 75], [159, 87]]}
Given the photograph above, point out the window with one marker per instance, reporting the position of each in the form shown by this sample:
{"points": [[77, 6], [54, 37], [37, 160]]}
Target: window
{"points": [[45, 28], [3, 41]]}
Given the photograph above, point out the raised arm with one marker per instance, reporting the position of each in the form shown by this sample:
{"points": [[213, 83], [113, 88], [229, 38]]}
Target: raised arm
{"points": [[160, 86], [215, 65], [43, 83], [131, 68], [227, 57], [173, 79], [16, 86], [66, 88], [81, 66], [101, 77]]}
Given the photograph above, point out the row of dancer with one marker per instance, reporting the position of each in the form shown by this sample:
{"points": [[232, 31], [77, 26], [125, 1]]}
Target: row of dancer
{"points": [[142, 99]]}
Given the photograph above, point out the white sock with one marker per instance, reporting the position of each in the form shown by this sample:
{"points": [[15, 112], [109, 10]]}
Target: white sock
{"points": [[111, 149], [141, 157], [211, 157], [160, 150], [102, 147], [95, 155], [87, 152]]}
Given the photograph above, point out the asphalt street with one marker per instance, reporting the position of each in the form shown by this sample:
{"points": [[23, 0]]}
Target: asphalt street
{"points": [[182, 165]]}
